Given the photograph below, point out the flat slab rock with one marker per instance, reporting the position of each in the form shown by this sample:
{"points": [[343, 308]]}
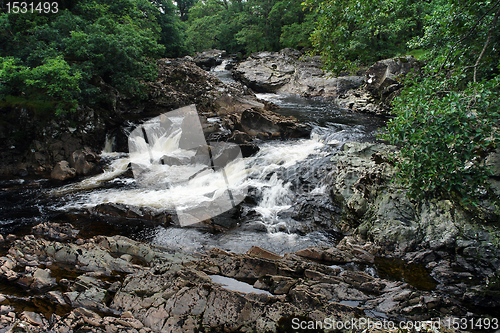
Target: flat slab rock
{"points": [[168, 291], [289, 71]]}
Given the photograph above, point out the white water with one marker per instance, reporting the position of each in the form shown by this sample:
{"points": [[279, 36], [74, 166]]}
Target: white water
{"points": [[271, 157], [262, 224], [261, 169]]}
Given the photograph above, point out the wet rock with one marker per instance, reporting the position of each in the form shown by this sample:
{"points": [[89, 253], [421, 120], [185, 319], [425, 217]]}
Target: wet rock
{"points": [[85, 282], [95, 255], [89, 317], [83, 161], [56, 231], [62, 171], [382, 78], [267, 125], [288, 71], [330, 255], [42, 280], [318, 212], [278, 285], [6, 269], [133, 213], [209, 59], [262, 253], [56, 297], [92, 298], [32, 318]]}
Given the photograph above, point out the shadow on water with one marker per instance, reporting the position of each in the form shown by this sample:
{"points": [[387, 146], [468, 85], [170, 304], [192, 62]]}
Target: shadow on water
{"points": [[399, 270]]}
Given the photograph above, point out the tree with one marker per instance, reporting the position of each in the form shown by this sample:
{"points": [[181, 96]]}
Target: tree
{"points": [[249, 26], [184, 6], [353, 32], [447, 120], [113, 41]]}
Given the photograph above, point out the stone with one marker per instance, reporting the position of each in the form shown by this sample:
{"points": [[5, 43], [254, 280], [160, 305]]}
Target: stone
{"points": [[10, 237], [62, 171], [81, 162], [55, 230], [256, 251], [288, 71], [42, 280], [57, 297], [265, 124], [209, 59], [32, 318], [382, 77]]}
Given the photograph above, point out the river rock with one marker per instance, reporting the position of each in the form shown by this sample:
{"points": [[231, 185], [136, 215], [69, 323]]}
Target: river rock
{"points": [[177, 294], [42, 280], [62, 171], [209, 59], [56, 231], [133, 213], [382, 83], [83, 161], [289, 71], [383, 77], [270, 125]]}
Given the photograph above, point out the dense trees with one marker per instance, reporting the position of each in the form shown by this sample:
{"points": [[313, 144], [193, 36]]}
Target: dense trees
{"points": [[249, 26], [447, 119], [353, 32], [56, 60]]}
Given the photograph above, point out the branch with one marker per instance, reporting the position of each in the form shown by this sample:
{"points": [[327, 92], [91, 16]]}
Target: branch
{"points": [[467, 35], [490, 33]]}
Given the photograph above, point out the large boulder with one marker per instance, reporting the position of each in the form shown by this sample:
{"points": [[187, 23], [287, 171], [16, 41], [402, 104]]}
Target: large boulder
{"points": [[267, 124], [288, 71], [84, 161], [382, 84], [209, 59], [383, 77], [62, 171]]}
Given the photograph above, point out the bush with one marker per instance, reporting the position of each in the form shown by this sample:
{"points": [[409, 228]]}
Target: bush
{"points": [[444, 132], [54, 81]]}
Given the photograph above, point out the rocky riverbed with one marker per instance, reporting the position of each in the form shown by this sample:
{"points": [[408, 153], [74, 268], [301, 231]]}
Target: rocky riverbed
{"points": [[389, 258], [405, 261], [123, 285]]}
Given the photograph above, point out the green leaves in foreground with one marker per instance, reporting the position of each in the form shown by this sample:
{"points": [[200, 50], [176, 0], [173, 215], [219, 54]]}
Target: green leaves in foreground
{"points": [[54, 82], [443, 134]]}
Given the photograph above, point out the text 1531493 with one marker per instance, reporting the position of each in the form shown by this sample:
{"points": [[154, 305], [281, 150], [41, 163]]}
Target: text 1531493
{"points": [[32, 7]]}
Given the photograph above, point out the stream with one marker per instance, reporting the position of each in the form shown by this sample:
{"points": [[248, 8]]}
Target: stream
{"points": [[279, 175], [279, 179]]}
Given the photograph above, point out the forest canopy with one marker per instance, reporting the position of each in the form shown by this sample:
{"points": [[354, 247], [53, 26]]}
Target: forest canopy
{"points": [[447, 118], [56, 60]]}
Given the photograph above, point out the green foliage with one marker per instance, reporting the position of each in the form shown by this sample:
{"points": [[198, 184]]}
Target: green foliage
{"points": [[447, 121], [444, 133], [184, 6], [353, 32], [62, 57], [296, 35], [249, 26], [54, 81]]}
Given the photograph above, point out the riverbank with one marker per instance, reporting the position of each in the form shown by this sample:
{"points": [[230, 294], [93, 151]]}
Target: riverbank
{"points": [[406, 261], [337, 238]]}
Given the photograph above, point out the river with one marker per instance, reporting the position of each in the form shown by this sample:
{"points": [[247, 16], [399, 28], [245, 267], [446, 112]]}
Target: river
{"points": [[280, 176]]}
